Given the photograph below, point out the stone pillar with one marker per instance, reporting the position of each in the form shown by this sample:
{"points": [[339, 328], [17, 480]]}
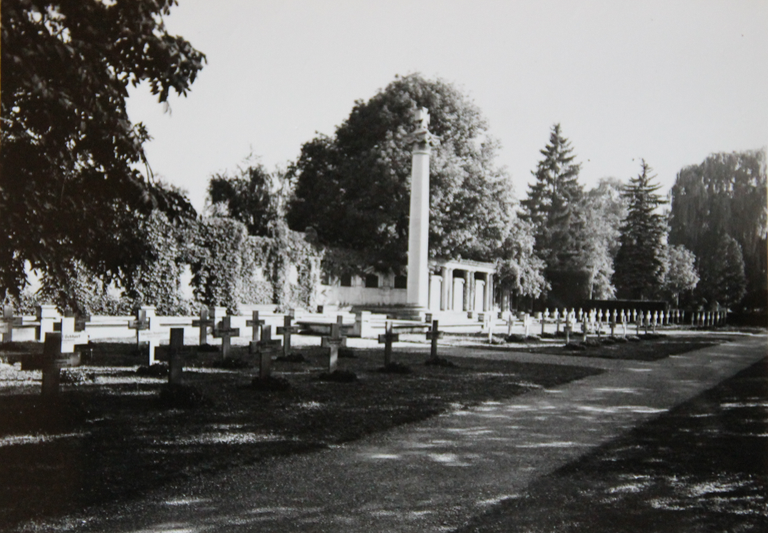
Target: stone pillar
{"points": [[447, 289], [468, 282], [418, 229], [490, 291]]}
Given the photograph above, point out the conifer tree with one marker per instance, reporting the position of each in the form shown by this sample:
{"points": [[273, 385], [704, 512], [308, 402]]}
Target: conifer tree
{"points": [[640, 261], [552, 200]]}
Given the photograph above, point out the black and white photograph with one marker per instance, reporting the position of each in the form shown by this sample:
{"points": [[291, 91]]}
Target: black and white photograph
{"points": [[403, 266]]}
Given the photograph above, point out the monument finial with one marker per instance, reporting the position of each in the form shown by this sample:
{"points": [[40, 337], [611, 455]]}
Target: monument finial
{"points": [[422, 134]]}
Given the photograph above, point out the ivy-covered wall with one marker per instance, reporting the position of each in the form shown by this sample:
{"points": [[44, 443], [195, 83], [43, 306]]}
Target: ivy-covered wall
{"points": [[229, 268]]}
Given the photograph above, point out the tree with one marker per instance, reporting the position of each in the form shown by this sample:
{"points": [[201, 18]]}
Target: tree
{"points": [[600, 213], [70, 187], [252, 196], [723, 280], [354, 188], [639, 265], [551, 202], [726, 193], [520, 271], [680, 271]]}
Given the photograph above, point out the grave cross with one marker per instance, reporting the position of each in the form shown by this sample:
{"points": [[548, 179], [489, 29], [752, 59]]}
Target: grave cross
{"points": [[57, 353], [387, 339], [175, 356], [225, 332], [70, 337], [265, 348], [9, 322], [143, 322], [333, 343], [204, 322], [433, 334], [286, 330], [256, 326]]}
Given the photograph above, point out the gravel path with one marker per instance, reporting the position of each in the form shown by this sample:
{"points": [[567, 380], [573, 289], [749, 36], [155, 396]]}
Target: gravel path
{"points": [[435, 475]]}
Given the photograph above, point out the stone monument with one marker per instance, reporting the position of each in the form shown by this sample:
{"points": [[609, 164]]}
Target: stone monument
{"points": [[418, 229]]}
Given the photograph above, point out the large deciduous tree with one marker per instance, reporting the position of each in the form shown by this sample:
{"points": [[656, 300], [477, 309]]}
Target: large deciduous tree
{"points": [[725, 194], [252, 195], [354, 188], [599, 213], [723, 281], [640, 260], [71, 184], [680, 271]]}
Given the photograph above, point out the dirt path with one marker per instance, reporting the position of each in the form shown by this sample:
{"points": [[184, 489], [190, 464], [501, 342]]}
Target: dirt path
{"points": [[435, 475]]}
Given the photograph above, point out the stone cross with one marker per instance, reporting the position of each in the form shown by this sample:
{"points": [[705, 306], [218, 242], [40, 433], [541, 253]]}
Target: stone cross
{"points": [[433, 334], [333, 343], [225, 332], [47, 316], [568, 326], [55, 358], [70, 337], [387, 339], [175, 356], [265, 348], [286, 330], [204, 322], [256, 326], [8, 322], [143, 322]]}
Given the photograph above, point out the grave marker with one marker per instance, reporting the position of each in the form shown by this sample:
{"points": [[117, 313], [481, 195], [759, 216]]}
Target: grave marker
{"points": [[265, 348], [286, 330], [57, 354], [143, 322], [333, 343], [387, 338], [176, 356], [433, 334], [225, 332], [255, 324], [204, 322]]}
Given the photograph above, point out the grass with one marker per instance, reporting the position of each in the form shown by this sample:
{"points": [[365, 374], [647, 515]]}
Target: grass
{"points": [[701, 467], [109, 435]]}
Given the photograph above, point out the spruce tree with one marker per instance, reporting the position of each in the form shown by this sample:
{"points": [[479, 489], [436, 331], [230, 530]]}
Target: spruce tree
{"points": [[552, 200], [640, 261]]}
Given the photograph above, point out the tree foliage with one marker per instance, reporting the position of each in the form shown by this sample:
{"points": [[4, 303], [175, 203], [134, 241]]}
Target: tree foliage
{"points": [[70, 185], [253, 196], [680, 271], [354, 188], [723, 280], [599, 213], [639, 265], [726, 193], [552, 201]]}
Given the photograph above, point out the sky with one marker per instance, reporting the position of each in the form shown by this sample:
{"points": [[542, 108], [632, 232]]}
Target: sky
{"points": [[669, 81]]}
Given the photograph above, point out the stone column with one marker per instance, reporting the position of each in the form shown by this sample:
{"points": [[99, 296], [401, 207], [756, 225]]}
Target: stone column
{"points": [[418, 229], [489, 292], [469, 280], [447, 289]]}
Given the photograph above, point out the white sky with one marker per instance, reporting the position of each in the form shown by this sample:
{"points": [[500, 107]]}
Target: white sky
{"points": [[671, 81]]}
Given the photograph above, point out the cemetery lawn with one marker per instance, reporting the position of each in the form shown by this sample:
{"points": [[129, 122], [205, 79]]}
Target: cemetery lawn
{"points": [[701, 467], [107, 436], [638, 348]]}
